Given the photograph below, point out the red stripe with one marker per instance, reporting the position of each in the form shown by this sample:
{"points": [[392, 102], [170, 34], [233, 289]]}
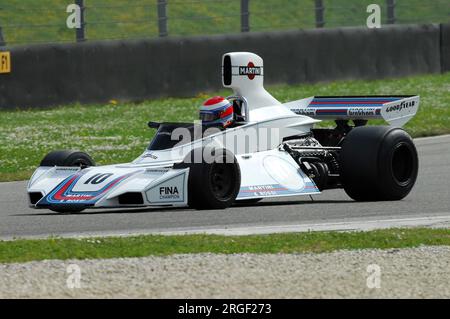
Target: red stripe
{"points": [[227, 112], [213, 100], [349, 102], [326, 111], [58, 195]]}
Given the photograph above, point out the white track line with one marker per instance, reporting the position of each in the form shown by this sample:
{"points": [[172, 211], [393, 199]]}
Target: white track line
{"points": [[431, 137], [440, 221], [432, 221]]}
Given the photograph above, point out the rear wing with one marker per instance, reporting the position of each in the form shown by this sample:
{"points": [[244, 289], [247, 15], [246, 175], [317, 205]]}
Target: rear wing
{"points": [[396, 110]]}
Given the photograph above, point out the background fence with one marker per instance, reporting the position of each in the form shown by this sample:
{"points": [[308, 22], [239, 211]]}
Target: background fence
{"points": [[44, 21], [140, 69]]}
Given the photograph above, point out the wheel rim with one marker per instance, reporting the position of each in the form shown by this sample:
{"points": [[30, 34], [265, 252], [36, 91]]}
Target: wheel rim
{"points": [[402, 164], [222, 180]]}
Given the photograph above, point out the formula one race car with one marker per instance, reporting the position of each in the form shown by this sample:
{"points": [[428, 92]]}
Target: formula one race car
{"points": [[271, 150]]}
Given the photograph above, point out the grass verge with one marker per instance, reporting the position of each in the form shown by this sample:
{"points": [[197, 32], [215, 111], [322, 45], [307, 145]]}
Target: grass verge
{"points": [[141, 246], [117, 132]]}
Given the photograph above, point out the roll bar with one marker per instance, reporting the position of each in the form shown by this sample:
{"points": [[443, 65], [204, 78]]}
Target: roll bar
{"points": [[244, 105]]}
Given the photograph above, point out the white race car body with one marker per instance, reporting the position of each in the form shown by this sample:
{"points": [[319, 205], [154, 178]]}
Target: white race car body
{"points": [[266, 168]]}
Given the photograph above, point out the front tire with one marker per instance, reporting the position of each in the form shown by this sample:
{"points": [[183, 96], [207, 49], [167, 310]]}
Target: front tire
{"points": [[212, 184], [67, 159], [378, 163]]}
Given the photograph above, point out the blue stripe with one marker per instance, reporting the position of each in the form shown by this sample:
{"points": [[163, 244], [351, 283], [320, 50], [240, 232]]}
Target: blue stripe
{"points": [[346, 106], [331, 113], [357, 99]]}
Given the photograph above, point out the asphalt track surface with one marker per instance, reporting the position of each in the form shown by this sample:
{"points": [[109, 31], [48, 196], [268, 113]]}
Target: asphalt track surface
{"points": [[430, 198]]}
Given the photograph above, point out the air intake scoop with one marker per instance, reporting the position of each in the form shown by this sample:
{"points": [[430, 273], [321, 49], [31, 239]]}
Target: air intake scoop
{"points": [[243, 72]]}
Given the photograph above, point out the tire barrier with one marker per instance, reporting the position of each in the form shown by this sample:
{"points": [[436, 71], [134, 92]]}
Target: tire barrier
{"points": [[133, 70]]}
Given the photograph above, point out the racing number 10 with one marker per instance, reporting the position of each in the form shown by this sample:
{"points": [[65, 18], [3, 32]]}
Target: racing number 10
{"points": [[98, 178]]}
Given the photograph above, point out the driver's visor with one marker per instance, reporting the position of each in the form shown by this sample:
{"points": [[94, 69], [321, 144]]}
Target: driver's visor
{"points": [[209, 116]]}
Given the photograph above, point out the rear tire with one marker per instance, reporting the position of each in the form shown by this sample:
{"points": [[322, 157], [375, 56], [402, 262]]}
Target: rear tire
{"points": [[214, 184], [378, 163]]}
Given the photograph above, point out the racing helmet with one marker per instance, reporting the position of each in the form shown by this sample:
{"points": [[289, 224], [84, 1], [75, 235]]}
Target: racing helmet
{"points": [[217, 111]]}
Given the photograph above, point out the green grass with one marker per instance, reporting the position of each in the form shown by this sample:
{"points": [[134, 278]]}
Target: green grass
{"points": [[140, 246], [117, 132], [27, 21]]}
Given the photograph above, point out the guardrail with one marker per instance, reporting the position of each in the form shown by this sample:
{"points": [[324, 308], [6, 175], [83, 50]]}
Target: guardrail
{"points": [[30, 21]]}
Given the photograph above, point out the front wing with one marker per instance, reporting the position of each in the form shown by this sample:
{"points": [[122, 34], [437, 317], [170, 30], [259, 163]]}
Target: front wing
{"points": [[108, 187]]}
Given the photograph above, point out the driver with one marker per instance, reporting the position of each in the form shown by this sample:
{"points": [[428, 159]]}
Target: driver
{"points": [[217, 112]]}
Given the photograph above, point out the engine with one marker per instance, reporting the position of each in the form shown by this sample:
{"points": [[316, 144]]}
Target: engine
{"points": [[318, 162]]}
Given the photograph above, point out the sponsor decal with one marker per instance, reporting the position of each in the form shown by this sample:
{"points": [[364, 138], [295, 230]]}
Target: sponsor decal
{"points": [[265, 190], [361, 112], [69, 169], [156, 170], [401, 106], [345, 111], [250, 70], [274, 190], [169, 192], [150, 155], [308, 112]]}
